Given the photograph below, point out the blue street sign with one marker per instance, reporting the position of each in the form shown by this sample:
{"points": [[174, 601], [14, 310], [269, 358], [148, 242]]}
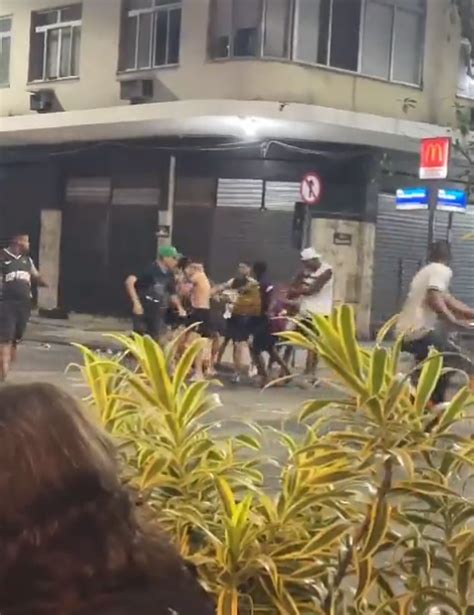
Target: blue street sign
{"points": [[452, 200], [412, 198]]}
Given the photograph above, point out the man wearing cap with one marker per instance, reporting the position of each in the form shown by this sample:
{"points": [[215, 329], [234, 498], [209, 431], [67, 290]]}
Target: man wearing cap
{"points": [[314, 288], [152, 293]]}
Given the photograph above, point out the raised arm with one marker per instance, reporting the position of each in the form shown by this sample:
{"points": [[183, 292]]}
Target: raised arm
{"points": [[318, 283]]}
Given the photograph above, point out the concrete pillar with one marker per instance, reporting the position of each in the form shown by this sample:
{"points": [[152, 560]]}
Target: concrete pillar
{"points": [[348, 246], [50, 257], [165, 217]]}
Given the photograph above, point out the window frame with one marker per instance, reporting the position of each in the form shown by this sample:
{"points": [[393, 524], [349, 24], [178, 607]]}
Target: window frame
{"points": [[4, 35], [292, 39], [73, 25], [154, 10]]}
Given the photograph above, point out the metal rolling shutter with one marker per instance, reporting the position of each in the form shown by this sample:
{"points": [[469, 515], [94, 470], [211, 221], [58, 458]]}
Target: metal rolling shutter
{"points": [[463, 257], [240, 193], [400, 249], [281, 196]]}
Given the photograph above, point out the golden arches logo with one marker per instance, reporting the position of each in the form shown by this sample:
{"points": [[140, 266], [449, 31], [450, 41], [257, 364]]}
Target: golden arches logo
{"points": [[434, 154]]}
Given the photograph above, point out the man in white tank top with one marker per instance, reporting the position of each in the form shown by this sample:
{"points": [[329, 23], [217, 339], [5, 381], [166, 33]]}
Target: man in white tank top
{"points": [[314, 287]]}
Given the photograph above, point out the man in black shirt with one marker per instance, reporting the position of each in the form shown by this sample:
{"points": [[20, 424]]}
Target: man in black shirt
{"points": [[17, 271], [152, 293]]}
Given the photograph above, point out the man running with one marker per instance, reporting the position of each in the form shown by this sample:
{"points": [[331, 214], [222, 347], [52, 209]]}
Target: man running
{"points": [[17, 272], [428, 313], [153, 292], [314, 287], [200, 313]]}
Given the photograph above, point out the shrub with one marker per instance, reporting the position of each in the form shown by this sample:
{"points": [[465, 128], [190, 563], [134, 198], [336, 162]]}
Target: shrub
{"points": [[371, 515]]}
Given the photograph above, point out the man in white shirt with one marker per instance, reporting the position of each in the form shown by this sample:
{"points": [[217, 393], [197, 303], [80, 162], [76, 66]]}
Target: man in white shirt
{"points": [[314, 288], [429, 310]]}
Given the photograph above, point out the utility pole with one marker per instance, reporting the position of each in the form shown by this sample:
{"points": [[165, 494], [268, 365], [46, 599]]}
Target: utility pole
{"points": [[432, 204], [434, 163]]}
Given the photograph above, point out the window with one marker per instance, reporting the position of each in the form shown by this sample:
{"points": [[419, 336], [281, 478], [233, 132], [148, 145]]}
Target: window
{"points": [[380, 38], [5, 45], [151, 34], [393, 39], [236, 28], [466, 70], [56, 43], [328, 32], [277, 19]]}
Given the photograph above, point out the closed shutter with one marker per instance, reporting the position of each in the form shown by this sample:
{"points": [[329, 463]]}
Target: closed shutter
{"points": [[281, 196], [134, 190], [94, 190], [240, 193], [463, 257]]}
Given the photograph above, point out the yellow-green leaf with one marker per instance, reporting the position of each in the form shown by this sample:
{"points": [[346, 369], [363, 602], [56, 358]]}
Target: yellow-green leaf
{"points": [[364, 577], [348, 333], [378, 364], [385, 329], [456, 406], [426, 486], [327, 537], [226, 495], [430, 373], [379, 518]]}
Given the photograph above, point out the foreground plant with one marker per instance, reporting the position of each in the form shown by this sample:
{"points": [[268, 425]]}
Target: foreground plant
{"points": [[371, 513]]}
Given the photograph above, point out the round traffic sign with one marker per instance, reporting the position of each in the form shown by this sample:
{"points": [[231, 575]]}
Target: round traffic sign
{"points": [[310, 188]]}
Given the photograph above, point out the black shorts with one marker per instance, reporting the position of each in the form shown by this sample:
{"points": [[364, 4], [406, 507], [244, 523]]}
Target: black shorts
{"points": [[263, 338], [203, 317], [14, 316], [152, 323], [240, 328]]}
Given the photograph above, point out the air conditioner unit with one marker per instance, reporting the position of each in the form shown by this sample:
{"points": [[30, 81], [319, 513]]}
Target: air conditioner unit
{"points": [[136, 90], [42, 101]]}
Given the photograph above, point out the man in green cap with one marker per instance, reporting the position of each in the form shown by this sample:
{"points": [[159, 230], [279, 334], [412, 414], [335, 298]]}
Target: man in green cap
{"points": [[153, 292]]}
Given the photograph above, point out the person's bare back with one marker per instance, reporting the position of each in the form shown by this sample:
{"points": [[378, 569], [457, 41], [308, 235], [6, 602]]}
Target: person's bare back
{"points": [[201, 292]]}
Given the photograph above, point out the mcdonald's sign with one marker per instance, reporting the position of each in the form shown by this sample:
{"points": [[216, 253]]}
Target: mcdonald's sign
{"points": [[434, 158]]}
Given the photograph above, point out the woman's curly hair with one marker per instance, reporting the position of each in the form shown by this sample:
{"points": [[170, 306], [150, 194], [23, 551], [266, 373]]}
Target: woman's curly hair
{"points": [[69, 534]]}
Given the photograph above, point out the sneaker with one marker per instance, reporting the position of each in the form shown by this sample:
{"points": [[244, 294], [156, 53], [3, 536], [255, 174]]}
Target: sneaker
{"points": [[235, 379]]}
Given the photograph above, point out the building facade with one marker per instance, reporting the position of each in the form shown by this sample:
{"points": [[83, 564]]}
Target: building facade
{"points": [[197, 119]]}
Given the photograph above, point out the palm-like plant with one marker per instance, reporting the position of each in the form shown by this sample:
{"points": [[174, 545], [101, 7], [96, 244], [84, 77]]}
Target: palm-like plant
{"points": [[371, 514]]}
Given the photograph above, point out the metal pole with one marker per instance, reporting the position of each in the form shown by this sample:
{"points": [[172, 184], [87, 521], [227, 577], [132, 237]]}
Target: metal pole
{"points": [[307, 240], [433, 200], [449, 234], [165, 217]]}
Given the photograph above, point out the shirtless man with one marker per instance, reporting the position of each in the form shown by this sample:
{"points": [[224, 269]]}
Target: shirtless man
{"points": [[200, 313]]}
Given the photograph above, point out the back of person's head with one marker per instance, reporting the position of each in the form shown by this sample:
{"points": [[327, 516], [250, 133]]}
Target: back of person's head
{"points": [[440, 252], [260, 269], [68, 531]]}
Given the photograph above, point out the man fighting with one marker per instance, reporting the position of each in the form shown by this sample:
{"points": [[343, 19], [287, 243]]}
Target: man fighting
{"points": [[153, 292], [17, 271]]}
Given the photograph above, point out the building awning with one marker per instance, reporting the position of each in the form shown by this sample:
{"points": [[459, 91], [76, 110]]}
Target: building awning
{"points": [[243, 120]]}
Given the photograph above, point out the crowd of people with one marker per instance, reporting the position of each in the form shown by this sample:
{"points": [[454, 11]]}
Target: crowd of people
{"points": [[247, 311]]}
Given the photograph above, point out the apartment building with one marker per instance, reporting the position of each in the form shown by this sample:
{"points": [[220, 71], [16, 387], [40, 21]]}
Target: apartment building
{"points": [[127, 122]]}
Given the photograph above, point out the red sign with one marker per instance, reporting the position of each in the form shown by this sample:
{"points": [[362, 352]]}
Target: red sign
{"points": [[434, 158], [310, 188]]}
